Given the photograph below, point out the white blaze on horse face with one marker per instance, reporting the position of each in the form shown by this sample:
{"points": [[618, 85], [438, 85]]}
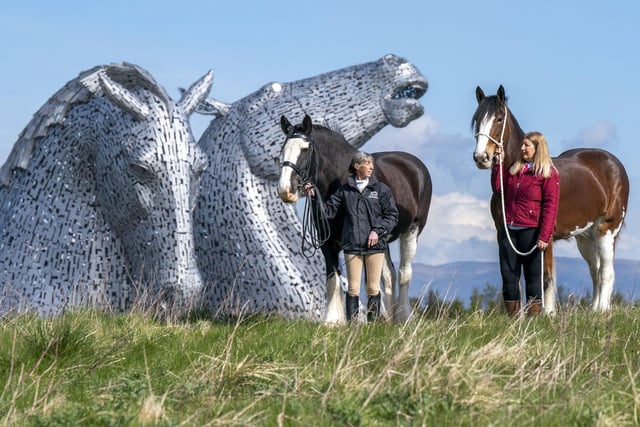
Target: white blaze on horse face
{"points": [[480, 155], [291, 153]]}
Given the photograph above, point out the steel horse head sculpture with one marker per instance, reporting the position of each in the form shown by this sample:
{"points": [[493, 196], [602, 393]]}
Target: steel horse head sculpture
{"points": [[248, 241], [97, 197]]}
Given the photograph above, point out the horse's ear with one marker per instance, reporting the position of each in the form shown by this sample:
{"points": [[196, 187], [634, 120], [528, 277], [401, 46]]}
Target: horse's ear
{"points": [[479, 94], [500, 94], [285, 125], [307, 125]]}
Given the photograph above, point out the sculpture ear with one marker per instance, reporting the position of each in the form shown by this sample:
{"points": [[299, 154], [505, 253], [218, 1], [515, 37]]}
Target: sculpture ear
{"points": [[122, 97], [285, 125], [501, 97], [307, 125], [196, 94], [479, 94]]}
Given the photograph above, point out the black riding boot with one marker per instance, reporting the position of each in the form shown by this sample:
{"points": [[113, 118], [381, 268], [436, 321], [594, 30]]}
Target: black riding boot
{"points": [[373, 308], [353, 307]]}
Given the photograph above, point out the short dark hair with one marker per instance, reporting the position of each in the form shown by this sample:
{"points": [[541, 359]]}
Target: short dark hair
{"points": [[359, 158]]}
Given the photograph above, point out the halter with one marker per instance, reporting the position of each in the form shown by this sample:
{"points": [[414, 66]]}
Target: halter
{"points": [[504, 126], [504, 216]]}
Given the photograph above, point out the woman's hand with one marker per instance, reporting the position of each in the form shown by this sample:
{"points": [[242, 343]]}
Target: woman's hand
{"points": [[373, 238], [498, 151], [542, 245], [308, 189]]}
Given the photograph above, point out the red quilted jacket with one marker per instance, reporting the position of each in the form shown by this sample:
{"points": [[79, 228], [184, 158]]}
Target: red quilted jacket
{"points": [[530, 200]]}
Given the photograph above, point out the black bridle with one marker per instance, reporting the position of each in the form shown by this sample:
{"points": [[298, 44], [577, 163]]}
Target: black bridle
{"points": [[303, 173], [313, 213]]}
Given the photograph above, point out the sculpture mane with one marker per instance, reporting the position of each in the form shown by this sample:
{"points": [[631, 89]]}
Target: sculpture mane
{"points": [[78, 90]]}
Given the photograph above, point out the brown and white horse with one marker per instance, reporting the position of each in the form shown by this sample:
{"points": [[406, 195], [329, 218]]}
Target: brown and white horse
{"points": [[313, 153], [594, 194]]}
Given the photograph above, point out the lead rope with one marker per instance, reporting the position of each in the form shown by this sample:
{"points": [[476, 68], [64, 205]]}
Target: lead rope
{"points": [[315, 225], [504, 216]]}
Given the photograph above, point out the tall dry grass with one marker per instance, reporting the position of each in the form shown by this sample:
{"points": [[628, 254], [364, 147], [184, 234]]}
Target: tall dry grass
{"points": [[478, 368]]}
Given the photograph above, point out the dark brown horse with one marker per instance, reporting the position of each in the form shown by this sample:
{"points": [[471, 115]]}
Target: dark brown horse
{"points": [[594, 194], [312, 153]]}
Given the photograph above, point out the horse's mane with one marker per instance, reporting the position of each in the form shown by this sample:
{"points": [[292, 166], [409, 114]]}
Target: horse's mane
{"points": [[335, 128], [329, 131], [329, 125], [325, 130], [78, 90]]}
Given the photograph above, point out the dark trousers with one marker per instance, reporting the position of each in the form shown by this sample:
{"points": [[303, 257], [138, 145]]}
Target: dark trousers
{"points": [[513, 265]]}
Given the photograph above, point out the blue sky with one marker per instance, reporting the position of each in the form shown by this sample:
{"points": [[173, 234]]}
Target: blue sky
{"points": [[570, 70]]}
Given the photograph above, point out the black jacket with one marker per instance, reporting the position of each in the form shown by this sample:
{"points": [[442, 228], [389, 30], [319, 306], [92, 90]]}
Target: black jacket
{"points": [[373, 209]]}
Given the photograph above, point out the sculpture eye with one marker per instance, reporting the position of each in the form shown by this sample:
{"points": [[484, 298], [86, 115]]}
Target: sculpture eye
{"points": [[142, 171]]}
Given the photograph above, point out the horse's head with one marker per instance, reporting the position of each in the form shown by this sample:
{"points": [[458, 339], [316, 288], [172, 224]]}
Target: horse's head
{"points": [[296, 164], [491, 127], [147, 169]]}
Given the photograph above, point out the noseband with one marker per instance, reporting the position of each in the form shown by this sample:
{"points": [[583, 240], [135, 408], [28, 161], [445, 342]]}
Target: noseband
{"points": [[303, 173]]}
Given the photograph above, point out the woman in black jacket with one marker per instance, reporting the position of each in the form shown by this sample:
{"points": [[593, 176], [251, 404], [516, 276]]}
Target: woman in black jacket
{"points": [[370, 213]]}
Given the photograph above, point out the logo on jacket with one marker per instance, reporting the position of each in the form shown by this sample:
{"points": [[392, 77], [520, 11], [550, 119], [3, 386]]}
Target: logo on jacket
{"points": [[373, 195]]}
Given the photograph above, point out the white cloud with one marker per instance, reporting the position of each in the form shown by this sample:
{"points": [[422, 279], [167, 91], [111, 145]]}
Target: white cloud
{"points": [[413, 138], [461, 217], [600, 135], [459, 228]]}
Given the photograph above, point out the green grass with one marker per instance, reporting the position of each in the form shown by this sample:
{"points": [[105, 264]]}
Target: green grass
{"points": [[480, 368]]}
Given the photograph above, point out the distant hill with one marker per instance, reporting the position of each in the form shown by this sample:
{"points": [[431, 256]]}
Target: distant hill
{"points": [[458, 280]]}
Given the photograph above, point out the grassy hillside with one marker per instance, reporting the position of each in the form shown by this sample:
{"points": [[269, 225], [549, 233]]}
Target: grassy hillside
{"points": [[476, 368]]}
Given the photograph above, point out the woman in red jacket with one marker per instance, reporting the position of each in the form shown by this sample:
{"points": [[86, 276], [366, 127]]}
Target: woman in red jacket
{"points": [[531, 195]]}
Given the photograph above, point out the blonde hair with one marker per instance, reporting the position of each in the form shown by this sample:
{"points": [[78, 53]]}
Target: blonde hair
{"points": [[542, 163]]}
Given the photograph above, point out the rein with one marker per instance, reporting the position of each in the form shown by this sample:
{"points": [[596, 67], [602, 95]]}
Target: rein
{"points": [[504, 216], [315, 225]]}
